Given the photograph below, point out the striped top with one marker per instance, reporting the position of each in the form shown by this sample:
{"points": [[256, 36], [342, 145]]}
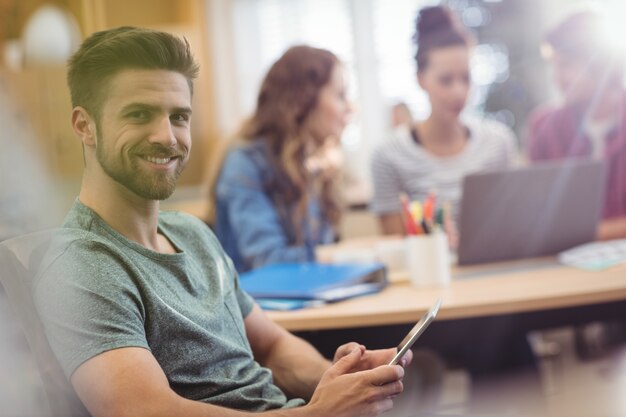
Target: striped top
{"points": [[401, 165]]}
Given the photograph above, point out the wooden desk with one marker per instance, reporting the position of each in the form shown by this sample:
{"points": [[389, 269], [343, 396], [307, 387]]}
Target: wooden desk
{"points": [[505, 288]]}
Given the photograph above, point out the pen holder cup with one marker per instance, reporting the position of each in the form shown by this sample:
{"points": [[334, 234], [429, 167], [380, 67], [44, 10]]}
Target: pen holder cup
{"points": [[428, 260]]}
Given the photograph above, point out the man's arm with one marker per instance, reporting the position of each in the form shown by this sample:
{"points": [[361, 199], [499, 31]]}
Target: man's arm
{"points": [[129, 382], [297, 367]]}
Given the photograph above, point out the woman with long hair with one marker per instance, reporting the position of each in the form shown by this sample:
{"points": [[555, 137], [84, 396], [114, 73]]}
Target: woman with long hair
{"points": [[436, 153], [276, 192]]}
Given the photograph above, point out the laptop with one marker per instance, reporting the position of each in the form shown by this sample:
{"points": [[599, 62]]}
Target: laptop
{"points": [[529, 212]]}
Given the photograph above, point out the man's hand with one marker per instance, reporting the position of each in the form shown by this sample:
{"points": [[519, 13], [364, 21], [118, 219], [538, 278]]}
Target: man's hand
{"points": [[342, 392], [371, 359]]}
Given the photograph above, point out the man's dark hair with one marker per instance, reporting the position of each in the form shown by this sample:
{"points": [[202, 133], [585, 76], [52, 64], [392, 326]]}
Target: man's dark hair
{"points": [[108, 52]]}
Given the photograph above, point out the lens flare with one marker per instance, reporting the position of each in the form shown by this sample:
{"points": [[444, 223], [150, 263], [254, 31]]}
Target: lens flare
{"points": [[612, 31]]}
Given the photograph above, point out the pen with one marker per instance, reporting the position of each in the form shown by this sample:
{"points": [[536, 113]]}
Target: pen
{"points": [[409, 224], [429, 207], [416, 211], [439, 216]]}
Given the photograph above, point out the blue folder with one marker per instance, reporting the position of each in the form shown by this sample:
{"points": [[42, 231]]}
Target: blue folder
{"points": [[314, 281], [287, 304]]}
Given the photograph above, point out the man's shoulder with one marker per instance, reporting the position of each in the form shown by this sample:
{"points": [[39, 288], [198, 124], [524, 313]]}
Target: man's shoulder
{"points": [[69, 242], [77, 258], [72, 240]]}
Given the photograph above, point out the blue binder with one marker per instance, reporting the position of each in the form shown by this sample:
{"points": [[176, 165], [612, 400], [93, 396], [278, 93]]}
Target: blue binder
{"points": [[314, 281]]}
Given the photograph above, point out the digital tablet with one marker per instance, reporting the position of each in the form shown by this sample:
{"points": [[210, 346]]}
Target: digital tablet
{"points": [[416, 332]]}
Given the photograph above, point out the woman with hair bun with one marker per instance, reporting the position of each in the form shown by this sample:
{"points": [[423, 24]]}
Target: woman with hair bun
{"points": [[436, 153], [276, 192]]}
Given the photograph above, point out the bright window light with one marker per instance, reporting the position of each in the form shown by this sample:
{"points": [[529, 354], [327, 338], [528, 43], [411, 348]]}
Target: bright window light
{"points": [[613, 31]]}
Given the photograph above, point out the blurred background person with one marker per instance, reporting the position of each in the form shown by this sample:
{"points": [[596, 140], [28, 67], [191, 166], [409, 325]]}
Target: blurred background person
{"points": [[590, 122], [276, 193], [436, 153]]}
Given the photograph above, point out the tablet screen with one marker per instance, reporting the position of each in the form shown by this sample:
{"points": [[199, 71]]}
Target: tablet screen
{"points": [[416, 332]]}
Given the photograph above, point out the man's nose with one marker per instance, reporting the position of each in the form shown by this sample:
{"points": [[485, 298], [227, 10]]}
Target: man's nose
{"points": [[163, 133]]}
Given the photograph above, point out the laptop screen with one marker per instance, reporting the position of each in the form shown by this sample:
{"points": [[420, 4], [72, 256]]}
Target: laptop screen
{"points": [[529, 212]]}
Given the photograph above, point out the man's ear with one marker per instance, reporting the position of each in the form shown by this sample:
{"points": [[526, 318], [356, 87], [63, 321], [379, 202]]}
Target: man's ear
{"points": [[84, 126]]}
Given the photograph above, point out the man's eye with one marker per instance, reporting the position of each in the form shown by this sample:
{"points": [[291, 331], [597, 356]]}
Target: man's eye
{"points": [[139, 115], [180, 117]]}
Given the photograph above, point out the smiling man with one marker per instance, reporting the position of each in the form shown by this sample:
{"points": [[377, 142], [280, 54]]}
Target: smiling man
{"points": [[141, 307], [136, 99]]}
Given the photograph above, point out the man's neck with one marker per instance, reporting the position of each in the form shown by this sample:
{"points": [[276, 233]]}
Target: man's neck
{"points": [[130, 215]]}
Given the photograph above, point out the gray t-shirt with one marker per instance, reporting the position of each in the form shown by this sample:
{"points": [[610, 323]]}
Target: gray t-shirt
{"points": [[99, 291]]}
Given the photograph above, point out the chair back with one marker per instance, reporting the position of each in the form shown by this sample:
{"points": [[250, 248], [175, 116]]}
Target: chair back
{"points": [[20, 259]]}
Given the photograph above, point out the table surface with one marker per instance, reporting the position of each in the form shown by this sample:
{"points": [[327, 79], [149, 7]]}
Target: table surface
{"points": [[475, 291]]}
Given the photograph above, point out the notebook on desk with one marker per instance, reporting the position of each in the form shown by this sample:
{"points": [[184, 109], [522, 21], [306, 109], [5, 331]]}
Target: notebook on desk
{"points": [[314, 281], [529, 212]]}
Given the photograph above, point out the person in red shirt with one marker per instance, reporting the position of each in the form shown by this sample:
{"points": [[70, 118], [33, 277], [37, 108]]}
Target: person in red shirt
{"points": [[591, 121]]}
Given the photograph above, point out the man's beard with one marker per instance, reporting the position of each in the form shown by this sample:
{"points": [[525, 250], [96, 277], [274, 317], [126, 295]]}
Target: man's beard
{"points": [[148, 185]]}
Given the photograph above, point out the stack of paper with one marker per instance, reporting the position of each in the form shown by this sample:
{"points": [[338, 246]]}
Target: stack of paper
{"points": [[595, 256]]}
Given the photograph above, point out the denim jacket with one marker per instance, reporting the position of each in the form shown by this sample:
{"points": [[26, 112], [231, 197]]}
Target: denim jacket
{"points": [[252, 228]]}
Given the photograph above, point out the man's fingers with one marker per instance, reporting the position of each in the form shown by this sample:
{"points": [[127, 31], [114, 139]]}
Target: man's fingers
{"points": [[391, 389], [343, 365], [389, 353], [407, 358], [383, 405], [387, 391], [344, 350], [386, 374]]}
